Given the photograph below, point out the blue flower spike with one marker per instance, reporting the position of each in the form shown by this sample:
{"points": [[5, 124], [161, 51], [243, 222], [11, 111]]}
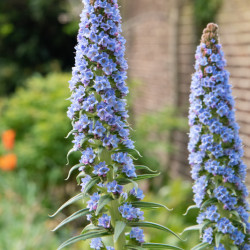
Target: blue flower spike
{"points": [[107, 175], [216, 150]]}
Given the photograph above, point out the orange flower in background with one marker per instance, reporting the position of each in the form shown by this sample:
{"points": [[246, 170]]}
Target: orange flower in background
{"points": [[8, 162], [8, 139]]}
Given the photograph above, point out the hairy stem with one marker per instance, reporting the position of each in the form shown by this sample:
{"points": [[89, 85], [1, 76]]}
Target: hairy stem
{"points": [[115, 216]]}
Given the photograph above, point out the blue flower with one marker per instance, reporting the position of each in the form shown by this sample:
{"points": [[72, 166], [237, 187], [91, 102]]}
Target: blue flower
{"points": [[113, 187], [199, 189], [101, 169], [110, 248], [238, 237], [88, 156], [99, 130], [203, 61], [96, 243], [82, 123], [209, 69], [137, 233], [246, 247], [93, 202], [130, 213], [225, 226], [101, 83], [211, 213], [201, 218], [208, 235], [84, 181], [220, 247], [138, 194], [104, 221]]}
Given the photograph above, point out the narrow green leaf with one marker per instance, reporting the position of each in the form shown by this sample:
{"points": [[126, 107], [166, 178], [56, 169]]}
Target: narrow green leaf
{"points": [[135, 184], [135, 150], [208, 202], [91, 227], [86, 236], [71, 132], [200, 246], [189, 209], [74, 216], [79, 176], [217, 239], [134, 247], [236, 214], [104, 200], [99, 152], [85, 139], [70, 201], [90, 184], [233, 247], [192, 228], [119, 227], [152, 225], [128, 150], [94, 121], [205, 225], [145, 176], [124, 181], [143, 204], [133, 157], [72, 169], [240, 223], [69, 153], [138, 167], [159, 246]]}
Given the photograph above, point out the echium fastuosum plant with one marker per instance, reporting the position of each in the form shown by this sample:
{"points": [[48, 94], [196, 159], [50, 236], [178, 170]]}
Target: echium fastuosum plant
{"points": [[215, 151], [101, 133]]}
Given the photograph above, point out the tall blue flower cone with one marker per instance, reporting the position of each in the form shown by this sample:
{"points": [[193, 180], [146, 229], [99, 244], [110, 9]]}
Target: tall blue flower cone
{"points": [[216, 150], [107, 174]]}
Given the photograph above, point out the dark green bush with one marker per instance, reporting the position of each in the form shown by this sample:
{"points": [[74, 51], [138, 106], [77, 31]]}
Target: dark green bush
{"points": [[36, 36]]}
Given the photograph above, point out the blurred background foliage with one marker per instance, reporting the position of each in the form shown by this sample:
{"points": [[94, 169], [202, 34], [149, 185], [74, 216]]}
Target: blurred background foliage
{"points": [[37, 112], [152, 137], [36, 52], [205, 12], [23, 221]]}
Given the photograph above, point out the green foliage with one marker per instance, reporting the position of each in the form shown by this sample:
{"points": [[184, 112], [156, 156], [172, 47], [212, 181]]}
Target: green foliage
{"points": [[152, 137], [33, 39], [23, 224], [178, 195], [37, 113], [205, 12]]}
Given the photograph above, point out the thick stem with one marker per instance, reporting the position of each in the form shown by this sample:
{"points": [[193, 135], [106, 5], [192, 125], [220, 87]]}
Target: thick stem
{"points": [[115, 216], [114, 212]]}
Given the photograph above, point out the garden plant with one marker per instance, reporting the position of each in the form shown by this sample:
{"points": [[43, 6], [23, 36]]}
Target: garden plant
{"points": [[107, 174], [215, 152]]}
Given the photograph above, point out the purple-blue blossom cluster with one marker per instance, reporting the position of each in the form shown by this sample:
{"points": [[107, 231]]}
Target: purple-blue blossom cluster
{"points": [[97, 244], [137, 233], [216, 149], [99, 115], [131, 213]]}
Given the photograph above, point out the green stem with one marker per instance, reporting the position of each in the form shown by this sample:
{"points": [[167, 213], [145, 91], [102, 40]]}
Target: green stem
{"points": [[114, 212], [115, 216]]}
